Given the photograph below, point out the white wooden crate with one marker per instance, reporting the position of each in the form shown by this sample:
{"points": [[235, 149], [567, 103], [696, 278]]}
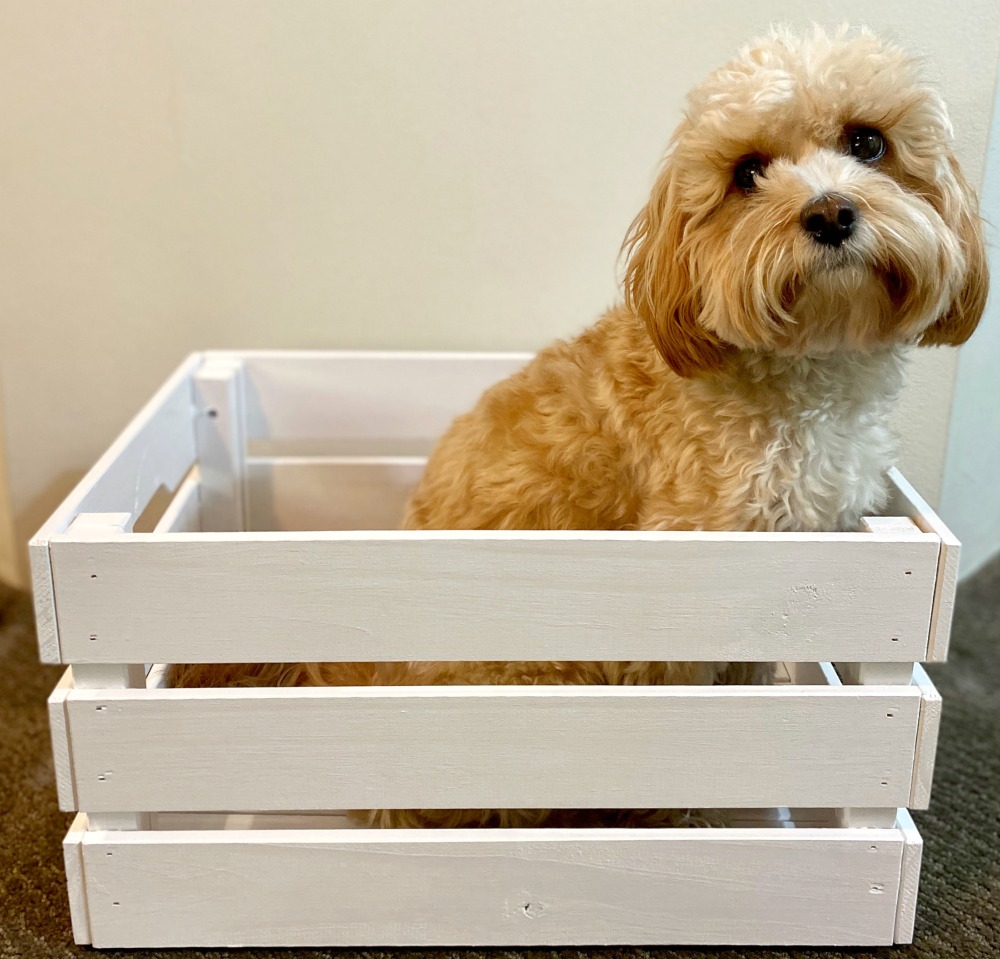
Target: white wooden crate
{"points": [[248, 514]]}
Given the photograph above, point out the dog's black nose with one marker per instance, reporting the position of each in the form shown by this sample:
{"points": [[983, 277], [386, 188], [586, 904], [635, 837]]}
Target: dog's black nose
{"points": [[829, 219]]}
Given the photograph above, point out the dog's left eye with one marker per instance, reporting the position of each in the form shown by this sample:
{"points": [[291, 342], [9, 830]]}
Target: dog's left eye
{"points": [[866, 144], [747, 171]]}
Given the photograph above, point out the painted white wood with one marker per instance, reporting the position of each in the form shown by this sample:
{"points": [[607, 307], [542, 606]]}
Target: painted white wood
{"points": [[395, 404], [76, 884], [493, 594], [156, 449], [909, 883], [102, 678], [905, 500], [489, 746], [486, 888], [183, 515], [61, 754], [890, 524], [875, 674], [43, 596], [927, 739], [867, 817], [806, 674], [330, 493], [219, 432]]}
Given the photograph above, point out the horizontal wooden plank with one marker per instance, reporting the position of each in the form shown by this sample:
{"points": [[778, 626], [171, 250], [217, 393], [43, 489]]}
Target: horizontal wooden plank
{"points": [[492, 746], [330, 493], [483, 595], [363, 403], [906, 501], [484, 888]]}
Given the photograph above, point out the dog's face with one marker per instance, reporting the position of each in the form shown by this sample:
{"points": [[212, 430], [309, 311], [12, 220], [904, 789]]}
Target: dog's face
{"points": [[810, 203]]}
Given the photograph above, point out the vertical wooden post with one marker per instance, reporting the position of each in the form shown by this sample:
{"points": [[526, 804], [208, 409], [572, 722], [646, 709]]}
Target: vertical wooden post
{"points": [[109, 675], [220, 431], [872, 674]]}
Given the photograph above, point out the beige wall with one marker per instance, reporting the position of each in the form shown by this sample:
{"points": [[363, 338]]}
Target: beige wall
{"points": [[417, 173], [970, 496]]}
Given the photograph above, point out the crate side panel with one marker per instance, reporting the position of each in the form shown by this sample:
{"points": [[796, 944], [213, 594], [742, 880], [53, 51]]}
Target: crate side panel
{"points": [[484, 747], [483, 596], [155, 450], [263, 889], [364, 403]]}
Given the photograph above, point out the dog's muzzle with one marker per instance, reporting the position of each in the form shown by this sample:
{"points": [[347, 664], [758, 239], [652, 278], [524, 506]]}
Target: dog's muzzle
{"points": [[829, 219]]}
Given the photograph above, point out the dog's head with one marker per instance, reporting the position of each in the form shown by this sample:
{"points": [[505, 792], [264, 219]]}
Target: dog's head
{"points": [[810, 202]]}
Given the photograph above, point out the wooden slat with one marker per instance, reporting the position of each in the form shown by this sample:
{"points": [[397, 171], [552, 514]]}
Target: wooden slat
{"points": [[155, 450], [76, 884], [395, 404], [927, 739], [330, 493], [43, 596], [61, 752], [481, 888], [904, 499], [183, 515], [909, 883], [494, 594], [488, 747]]}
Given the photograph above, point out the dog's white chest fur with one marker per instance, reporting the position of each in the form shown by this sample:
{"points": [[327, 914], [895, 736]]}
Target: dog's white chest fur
{"points": [[794, 445]]}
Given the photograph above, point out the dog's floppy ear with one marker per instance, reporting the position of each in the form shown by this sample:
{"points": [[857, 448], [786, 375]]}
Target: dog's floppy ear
{"points": [[659, 287], [965, 311]]}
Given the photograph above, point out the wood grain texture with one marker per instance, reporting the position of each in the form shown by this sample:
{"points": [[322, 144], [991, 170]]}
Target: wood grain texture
{"points": [[927, 740], [478, 887], [906, 501], [396, 404], [330, 493], [483, 595], [76, 882], [488, 747], [43, 597], [909, 883]]}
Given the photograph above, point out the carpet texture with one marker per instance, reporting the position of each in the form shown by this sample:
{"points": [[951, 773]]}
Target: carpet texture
{"points": [[958, 914]]}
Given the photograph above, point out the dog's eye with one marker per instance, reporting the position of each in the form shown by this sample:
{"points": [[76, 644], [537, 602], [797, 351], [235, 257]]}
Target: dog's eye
{"points": [[747, 172], [866, 144]]}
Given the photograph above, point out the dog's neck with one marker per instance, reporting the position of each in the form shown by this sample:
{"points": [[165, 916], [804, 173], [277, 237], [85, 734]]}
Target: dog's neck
{"points": [[843, 380]]}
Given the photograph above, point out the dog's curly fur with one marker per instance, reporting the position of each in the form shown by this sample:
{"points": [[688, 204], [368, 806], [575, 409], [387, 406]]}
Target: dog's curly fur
{"points": [[746, 381]]}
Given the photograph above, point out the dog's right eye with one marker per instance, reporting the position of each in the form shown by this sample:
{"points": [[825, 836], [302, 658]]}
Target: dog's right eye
{"points": [[747, 172]]}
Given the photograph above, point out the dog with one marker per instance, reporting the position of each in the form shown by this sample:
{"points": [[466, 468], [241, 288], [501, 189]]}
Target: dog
{"points": [[809, 226]]}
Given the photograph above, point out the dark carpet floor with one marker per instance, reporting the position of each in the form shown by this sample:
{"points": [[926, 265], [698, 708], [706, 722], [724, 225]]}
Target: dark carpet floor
{"points": [[958, 914]]}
